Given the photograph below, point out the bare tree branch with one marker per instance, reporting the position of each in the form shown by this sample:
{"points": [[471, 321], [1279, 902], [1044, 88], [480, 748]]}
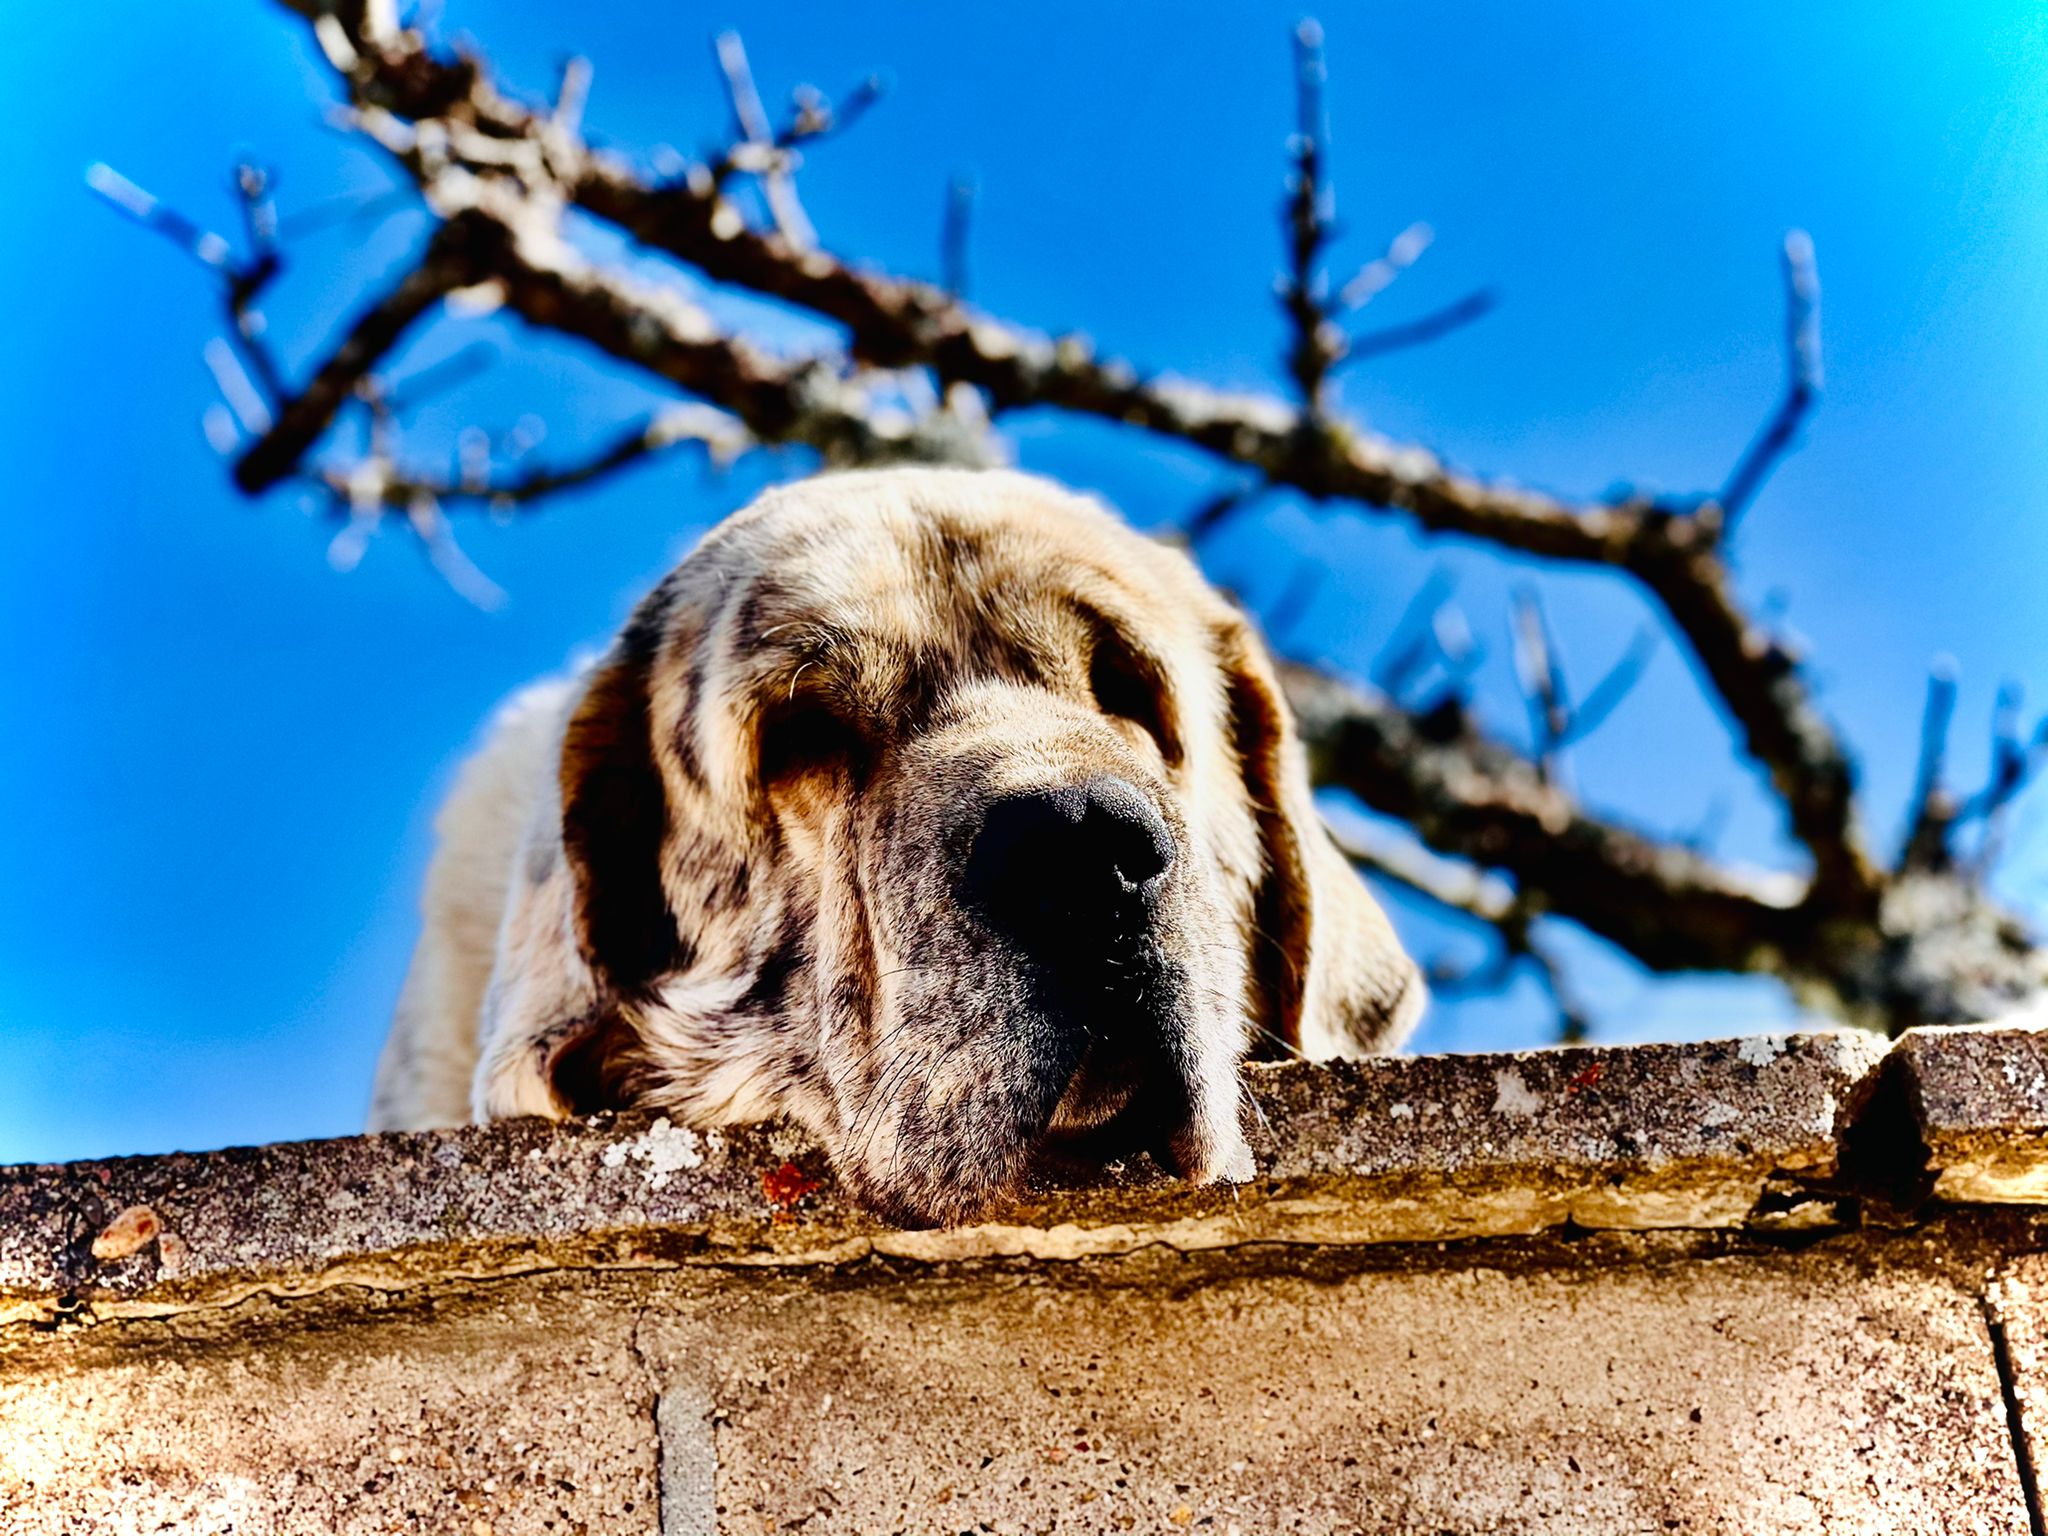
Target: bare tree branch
{"points": [[953, 231], [1374, 278], [755, 148], [248, 375], [302, 419], [2015, 757], [1673, 556], [1420, 333], [1591, 712], [1202, 523], [1484, 899], [202, 245], [1432, 635], [1542, 682], [538, 276], [770, 155], [1931, 814], [1555, 721], [382, 481], [1935, 815], [1470, 798], [922, 375], [1802, 378], [1317, 342]]}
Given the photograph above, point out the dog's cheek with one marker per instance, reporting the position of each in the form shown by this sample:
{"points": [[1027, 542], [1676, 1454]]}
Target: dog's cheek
{"points": [[942, 1105]]}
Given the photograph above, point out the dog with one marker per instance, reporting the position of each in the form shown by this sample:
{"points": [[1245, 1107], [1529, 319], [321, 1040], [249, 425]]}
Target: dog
{"points": [[937, 810]]}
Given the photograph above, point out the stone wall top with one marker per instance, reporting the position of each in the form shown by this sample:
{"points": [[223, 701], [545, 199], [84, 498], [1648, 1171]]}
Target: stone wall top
{"points": [[1770, 1130]]}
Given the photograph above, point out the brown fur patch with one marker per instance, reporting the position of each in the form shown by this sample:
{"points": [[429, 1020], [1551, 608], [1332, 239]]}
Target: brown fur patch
{"points": [[770, 795], [615, 821]]}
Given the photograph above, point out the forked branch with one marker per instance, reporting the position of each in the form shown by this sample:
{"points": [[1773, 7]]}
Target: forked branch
{"points": [[920, 374]]}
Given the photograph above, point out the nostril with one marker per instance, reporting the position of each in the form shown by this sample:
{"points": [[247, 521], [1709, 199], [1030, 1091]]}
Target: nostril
{"points": [[1136, 843], [1048, 859]]}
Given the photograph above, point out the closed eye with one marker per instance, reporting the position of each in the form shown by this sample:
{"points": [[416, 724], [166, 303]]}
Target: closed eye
{"points": [[805, 736], [1129, 686]]}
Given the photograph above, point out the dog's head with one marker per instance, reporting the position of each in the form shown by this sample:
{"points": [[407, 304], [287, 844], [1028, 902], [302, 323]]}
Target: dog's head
{"points": [[945, 814]]}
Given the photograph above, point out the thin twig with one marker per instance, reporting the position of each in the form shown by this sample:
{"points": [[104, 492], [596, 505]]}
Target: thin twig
{"points": [[344, 208], [1541, 679], [1421, 332], [202, 245], [1202, 524], [376, 330], [1454, 886], [757, 150], [572, 95], [1420, 638], [1315, 340], [1601, 700], [450, 373], [771, 155], [1931, 814], [1372, 279], [1802, 378], [1285, 613], [953, 232], [2015, 758], [1485, 899], [720, 436]]}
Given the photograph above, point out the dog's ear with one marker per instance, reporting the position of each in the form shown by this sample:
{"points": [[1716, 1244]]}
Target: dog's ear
{"points": [[1331, 977], [616, 822], [588, 930]]}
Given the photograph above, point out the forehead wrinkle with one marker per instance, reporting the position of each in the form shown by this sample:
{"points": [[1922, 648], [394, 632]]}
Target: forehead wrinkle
{"points": [[890, 614]]}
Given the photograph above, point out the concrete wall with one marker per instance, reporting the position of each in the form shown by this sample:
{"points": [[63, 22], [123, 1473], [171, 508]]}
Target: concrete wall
{"points": [[1778, 1284]]}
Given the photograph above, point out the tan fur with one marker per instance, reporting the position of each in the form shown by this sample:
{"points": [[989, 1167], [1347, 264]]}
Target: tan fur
{"points": [[721, 873]]}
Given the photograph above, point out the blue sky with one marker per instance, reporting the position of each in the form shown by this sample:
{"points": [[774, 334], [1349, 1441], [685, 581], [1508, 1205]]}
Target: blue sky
{"points": [[221, 756]]}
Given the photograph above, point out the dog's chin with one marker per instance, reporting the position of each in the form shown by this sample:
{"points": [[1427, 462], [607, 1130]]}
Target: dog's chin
{"points": [[925, 1202], [1153, 1113], [1104, 1116]]}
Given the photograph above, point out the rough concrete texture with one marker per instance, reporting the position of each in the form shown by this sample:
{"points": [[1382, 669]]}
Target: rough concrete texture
{"points": [[2016, 1311], [507, 1424], [1749, 1395], [1584, 1291], [1397, 1149], [1851, 1390]]}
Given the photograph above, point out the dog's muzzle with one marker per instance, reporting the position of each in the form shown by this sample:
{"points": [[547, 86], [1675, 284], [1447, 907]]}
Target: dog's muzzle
{"points": [[1078, 881]]}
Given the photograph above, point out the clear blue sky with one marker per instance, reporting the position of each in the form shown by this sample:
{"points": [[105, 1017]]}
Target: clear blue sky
{"points": [[220, 757]]}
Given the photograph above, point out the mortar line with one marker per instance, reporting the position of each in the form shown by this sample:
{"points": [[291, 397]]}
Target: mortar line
{"points": [[653, 1378]]}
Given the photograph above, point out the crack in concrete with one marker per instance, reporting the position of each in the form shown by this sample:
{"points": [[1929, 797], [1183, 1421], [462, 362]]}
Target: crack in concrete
{"points": [[1333, 1222], [1059, 1245], [2016, 1429]]}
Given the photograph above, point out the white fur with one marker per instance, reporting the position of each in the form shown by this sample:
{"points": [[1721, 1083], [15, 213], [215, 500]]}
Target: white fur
{"points": [[426, 1075], [501, 982]]}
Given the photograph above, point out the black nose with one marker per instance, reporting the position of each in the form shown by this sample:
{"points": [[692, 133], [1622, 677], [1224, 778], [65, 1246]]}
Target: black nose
{"points": [[1070, 867]]}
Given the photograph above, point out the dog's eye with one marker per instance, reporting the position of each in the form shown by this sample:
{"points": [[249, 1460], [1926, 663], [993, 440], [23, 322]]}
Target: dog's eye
{"points": [[1128, 688], [803, 737]]}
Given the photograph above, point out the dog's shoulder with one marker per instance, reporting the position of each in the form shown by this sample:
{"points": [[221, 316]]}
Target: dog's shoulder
{"points": [[483, 836]]}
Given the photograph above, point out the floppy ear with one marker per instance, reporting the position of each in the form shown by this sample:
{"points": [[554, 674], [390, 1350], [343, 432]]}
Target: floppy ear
{"points": [[615, 822], [588, 929], [1332, 979]]}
